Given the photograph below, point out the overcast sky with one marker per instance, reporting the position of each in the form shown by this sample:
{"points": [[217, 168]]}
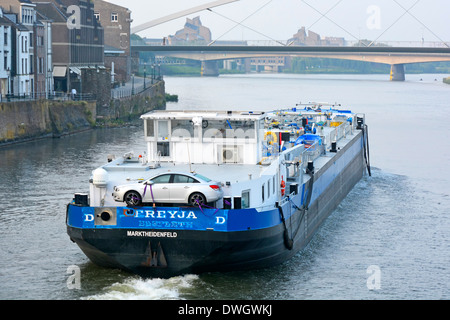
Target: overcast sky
{"points": [[280, 19]]}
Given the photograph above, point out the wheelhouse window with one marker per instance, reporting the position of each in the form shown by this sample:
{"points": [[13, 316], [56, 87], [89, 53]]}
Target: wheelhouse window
{"points": [[163, 129], [262, 193], [245, 199], [163, 149], [150, 128], [182, 129]]}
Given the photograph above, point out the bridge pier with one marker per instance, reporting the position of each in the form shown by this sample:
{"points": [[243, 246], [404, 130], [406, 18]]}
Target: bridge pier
{"points": [[397, 72], [210, 68]]}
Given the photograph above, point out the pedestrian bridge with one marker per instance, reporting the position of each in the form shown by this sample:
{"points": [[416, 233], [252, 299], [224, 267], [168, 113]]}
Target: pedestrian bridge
{"points": [[397, 57]]}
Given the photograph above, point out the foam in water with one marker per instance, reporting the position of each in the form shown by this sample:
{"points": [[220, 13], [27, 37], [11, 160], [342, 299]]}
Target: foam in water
{"points": [[146, 289]]}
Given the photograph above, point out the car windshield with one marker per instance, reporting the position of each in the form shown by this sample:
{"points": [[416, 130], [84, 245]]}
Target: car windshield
{"points": [[202, 177]]}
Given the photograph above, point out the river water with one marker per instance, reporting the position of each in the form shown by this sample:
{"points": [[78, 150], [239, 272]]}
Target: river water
{"points": [[389, 239]]}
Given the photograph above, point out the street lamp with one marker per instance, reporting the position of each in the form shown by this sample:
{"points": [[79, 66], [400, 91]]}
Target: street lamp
{"points": [[153, 73], [8, 71], [145, 74]]}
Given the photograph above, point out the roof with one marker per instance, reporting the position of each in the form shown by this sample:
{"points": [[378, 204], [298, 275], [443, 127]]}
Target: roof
{"points": [[50, 11], [213, 115]]}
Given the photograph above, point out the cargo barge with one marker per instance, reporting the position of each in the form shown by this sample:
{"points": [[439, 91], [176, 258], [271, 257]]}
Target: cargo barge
{"points": [[220, 190]]}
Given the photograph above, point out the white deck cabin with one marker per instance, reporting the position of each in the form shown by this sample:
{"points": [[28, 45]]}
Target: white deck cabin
{"points": [[204, 137]]}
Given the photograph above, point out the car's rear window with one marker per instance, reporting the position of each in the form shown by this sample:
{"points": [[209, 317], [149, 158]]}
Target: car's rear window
{"points": [[202, 177]]}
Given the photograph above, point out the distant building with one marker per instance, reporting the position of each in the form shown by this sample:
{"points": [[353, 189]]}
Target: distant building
{"points": [[301, 38], [192, 33], [116, 22], [270, 64]]}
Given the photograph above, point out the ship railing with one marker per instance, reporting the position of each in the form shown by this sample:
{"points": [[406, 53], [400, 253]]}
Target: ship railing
{"points": [[292, 158], [337, 134], [312, 153]]}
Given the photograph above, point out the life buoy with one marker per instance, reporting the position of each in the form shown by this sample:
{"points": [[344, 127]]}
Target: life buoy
{"points": [[283, 186], [274, 137]]}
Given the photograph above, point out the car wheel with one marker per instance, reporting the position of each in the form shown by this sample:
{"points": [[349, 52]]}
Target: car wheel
{"points": [[197, 199], [133, 198]]}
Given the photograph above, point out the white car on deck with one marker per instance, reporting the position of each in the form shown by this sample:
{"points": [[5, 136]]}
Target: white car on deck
{"points": [[170, 188]]}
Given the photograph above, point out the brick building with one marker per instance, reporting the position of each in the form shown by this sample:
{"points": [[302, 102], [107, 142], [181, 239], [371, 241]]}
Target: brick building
{"points": [[116, 22], [77, 41]]}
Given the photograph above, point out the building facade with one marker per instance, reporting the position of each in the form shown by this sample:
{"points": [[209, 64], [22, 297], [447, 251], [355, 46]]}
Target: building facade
{"points": [[192, 33], [5, 55], [22, 13], [116, 23], [77, 41]]}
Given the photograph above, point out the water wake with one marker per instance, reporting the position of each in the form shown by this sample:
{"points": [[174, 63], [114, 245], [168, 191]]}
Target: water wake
{"points": [[147, 289]]}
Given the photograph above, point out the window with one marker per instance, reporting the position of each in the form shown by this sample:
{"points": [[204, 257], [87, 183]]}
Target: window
{"points": [[163, 129], [97, 15], [150, 128], [114, 17], [245, 199], [268, 189], [165, 178], [182, 128], [202, 177], [179, 178], [262, 192], [41, 65], [163, 148]]}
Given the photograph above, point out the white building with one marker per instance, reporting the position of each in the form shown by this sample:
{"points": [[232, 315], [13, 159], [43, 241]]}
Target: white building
{"points": [[5, 55], [24, 80], [23, 17]]}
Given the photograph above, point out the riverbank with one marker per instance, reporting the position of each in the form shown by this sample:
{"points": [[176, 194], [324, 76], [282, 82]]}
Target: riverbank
{"points": [[23, 121], [446, 80]]}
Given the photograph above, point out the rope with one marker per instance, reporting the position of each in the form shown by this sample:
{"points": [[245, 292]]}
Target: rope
{"points": [[200, 205]]}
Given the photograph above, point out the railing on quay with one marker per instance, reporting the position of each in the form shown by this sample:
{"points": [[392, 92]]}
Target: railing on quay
{"points": [[119, 93], [55, 95]]}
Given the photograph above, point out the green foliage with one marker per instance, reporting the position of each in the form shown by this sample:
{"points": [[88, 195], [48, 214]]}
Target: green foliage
{"points": [[171, 97]]}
